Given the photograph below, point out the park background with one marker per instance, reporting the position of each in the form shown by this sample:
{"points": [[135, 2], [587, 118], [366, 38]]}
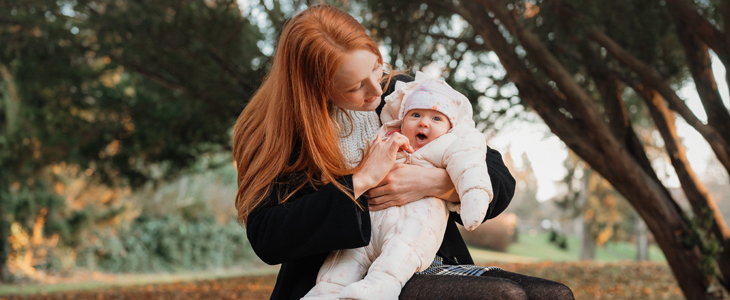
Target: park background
{"points": [[116, 178]]}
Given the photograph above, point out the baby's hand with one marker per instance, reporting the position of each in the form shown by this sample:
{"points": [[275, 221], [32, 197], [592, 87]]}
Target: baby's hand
{"points": [[379, 161], [474, 205]]}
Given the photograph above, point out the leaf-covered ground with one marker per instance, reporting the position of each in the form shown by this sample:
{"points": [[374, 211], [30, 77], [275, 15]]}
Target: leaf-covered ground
{"points": [[588, 280]]}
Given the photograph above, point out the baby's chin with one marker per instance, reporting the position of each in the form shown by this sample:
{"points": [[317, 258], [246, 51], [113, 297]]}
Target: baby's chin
{"points": [[416, 145]]}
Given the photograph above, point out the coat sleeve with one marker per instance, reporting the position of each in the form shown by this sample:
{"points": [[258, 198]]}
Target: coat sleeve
{"points": [[465, 161], [503, 184], [318, 222]]}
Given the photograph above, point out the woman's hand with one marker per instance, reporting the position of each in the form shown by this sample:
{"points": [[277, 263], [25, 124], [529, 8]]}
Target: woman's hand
{"points": [[408, 183], [378, 162]]}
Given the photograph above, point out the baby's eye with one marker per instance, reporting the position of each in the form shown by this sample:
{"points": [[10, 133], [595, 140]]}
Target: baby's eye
{"points": [[437, 118], [416, 115]]}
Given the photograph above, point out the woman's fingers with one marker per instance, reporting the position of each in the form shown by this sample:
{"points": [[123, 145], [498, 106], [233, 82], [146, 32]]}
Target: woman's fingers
{"points": [[384, 202], [399, 141], [380, 160]]}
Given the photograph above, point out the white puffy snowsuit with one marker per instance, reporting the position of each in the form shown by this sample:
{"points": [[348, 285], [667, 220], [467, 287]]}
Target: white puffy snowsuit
{"points": [[405, 239]]}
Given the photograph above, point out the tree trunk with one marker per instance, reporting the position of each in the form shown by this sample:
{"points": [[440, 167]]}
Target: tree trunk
{"points": [[588, 241], [718, 117], [642, 241], [11, 100], [4, 247], [591, 139], [698, 196]]}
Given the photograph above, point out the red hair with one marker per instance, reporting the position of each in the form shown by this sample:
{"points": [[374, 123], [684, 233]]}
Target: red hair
{"points": [[291, 109]]}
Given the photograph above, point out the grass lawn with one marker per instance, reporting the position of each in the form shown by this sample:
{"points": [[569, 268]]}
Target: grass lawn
{"points": [[537, 248], [94, 281], [614, 275]]}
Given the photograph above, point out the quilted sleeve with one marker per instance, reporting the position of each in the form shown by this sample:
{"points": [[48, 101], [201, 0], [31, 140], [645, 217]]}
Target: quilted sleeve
{"points": [[465, 161]]}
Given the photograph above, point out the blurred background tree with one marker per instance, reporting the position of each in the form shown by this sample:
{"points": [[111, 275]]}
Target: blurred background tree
{"points": [[125, 92], [603, 214]]}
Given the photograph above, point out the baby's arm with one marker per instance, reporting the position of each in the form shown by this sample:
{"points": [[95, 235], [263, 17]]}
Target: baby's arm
{"points": [[465, 162]]}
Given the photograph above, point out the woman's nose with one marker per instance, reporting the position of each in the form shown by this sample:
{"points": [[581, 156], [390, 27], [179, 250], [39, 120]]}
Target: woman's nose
{"points": [[375, 89]]}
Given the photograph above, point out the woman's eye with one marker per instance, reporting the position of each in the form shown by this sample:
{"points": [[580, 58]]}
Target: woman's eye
{"points": [[357, 89]]}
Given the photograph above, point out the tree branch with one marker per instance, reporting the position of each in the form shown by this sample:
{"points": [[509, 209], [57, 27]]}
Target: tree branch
{"points": [[725, 10], [700, 66], [656, 81], [586, 109], [232, 69], [702, 28], [155, 77], [696, 193], [607, 83], [541, 97], [12, 100]]}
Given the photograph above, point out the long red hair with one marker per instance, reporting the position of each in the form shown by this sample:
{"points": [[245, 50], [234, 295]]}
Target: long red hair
{"points": [[291, 109]]}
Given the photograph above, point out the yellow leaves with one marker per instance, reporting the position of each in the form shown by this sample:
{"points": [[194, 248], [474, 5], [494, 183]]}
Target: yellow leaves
{"points": [[18, 237], [111, 78], [589, 214], [604, 236], [28, 250], [38, 227], [530, 10], [130, 91], [14, 29], [128, 125], [36, 32], [35, 145], [648, 291], [587, 280], [111, 149], [57, 169], [59, 188], [15, 187]]}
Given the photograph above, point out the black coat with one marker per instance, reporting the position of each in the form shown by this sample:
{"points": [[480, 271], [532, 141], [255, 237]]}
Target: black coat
{"points": [[300, 233]]}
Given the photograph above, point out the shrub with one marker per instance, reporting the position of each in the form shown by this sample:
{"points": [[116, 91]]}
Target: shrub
{"points": [[167, 244]]}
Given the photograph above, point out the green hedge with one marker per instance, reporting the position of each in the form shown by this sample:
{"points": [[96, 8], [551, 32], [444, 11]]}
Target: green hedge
{"points": [[168, 244]]}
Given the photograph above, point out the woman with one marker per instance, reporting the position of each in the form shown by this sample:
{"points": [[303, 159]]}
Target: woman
{"points": [[302, 192]]}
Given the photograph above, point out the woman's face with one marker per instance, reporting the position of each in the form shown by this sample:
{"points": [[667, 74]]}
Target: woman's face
{"points": [[357, 82]]}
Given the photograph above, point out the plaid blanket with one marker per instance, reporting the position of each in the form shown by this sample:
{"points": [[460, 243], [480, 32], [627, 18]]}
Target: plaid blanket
{"points": [[438, 267]]}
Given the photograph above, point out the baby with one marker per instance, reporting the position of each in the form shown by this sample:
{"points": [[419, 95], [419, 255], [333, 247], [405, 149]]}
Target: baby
{"points": [[438, 123]]}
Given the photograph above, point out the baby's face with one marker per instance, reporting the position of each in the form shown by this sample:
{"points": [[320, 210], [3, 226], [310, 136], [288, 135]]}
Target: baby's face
{"points": [[421, 126]]}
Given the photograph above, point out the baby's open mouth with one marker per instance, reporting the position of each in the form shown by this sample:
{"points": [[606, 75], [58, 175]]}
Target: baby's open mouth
{"points": [[421, 137]]}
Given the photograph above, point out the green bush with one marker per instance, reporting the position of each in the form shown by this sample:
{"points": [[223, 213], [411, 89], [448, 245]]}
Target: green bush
{"points": [[168, 244]]}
